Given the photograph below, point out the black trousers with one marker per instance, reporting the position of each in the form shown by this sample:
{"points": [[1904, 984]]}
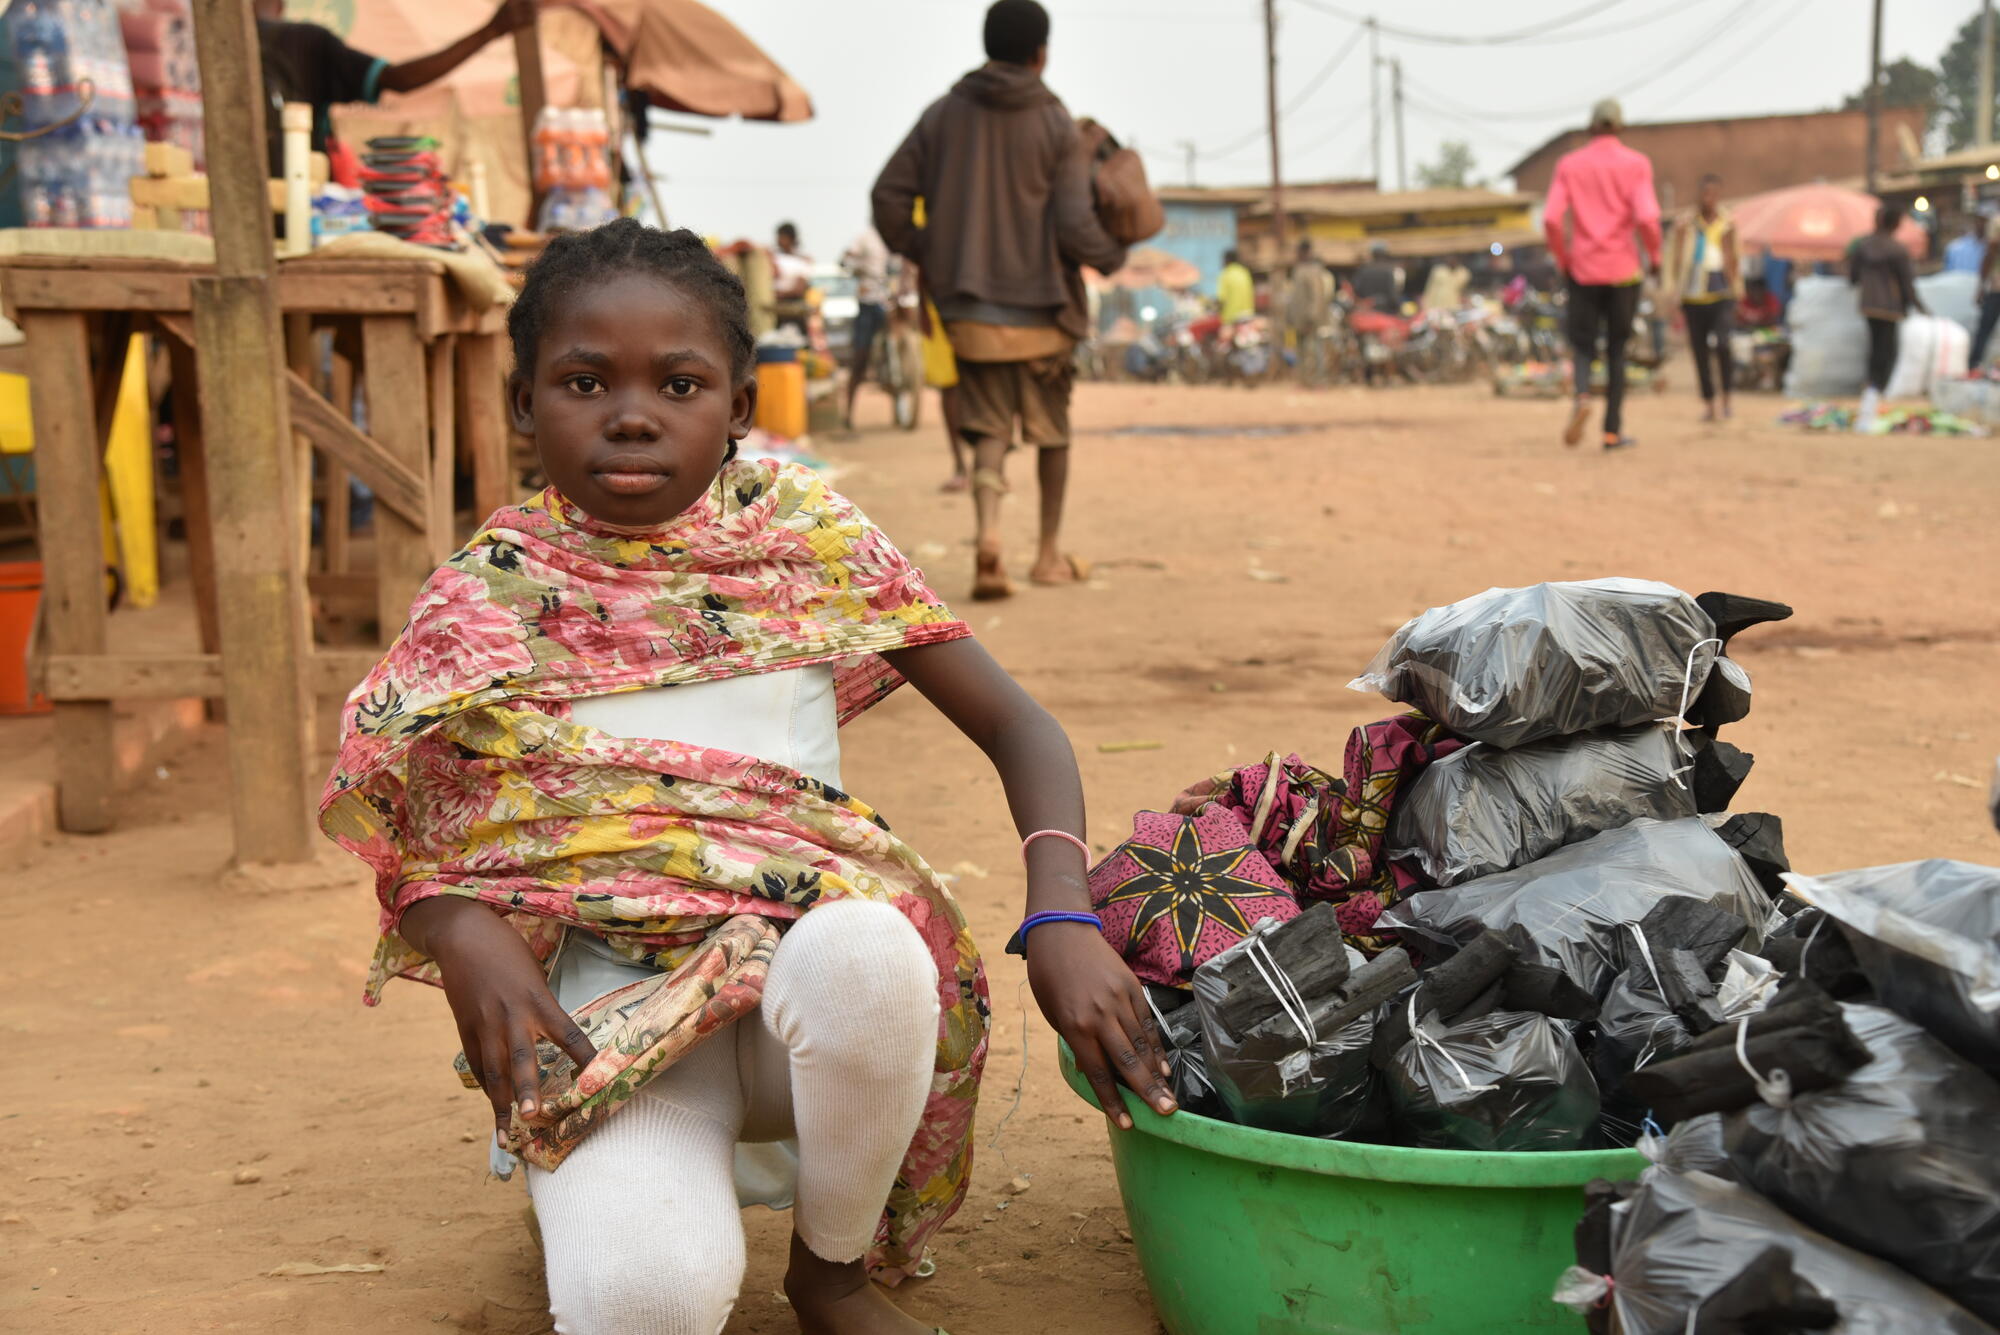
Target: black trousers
{"points": [[1883, 336], [1709, 321], [1989, 316], [1603, 309]]}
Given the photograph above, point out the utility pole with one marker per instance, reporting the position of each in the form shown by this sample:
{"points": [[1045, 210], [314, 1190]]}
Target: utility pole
{"points": [[1271, 112], [1396, 100], [1983, 132], [1875, 99], [1187, 147], [1375, 101]]}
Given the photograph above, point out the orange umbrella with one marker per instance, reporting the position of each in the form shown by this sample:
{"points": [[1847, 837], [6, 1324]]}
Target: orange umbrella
{"points": [[686, 57], [1811, 223], [1150, 266]]}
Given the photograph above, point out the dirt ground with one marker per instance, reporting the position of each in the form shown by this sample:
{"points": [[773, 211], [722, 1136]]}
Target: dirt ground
{"points": [[199, 1099]]}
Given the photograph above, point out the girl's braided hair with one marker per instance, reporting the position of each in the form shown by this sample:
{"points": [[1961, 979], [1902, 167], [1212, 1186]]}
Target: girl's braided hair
{"points": [[574, 260]]}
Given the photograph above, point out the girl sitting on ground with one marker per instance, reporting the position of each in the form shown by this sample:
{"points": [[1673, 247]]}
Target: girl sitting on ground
{"points": [[598, 778]]}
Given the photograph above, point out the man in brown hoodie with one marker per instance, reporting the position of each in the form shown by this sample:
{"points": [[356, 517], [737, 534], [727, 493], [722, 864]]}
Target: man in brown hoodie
{"points": [[1009, 219]]}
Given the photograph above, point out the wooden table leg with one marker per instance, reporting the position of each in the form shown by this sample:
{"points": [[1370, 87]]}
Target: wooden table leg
{"points": [[338, 516], [68, 469], [444, 446], [299, 356], [392, 375], [482, 411]]}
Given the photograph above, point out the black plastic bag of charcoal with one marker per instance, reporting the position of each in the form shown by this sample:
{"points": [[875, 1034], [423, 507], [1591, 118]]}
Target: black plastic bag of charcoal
{"points": [[1513, 666], [1574, 908], [1927, 935], [1287, 1016], [1692, 1252], [1482, 810], [1187, 1068], [1897, 1160], [1799, 1043], [1505, 1080]]}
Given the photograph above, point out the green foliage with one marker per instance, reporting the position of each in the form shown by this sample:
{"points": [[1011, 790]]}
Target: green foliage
{"points": [[1452, 170]]}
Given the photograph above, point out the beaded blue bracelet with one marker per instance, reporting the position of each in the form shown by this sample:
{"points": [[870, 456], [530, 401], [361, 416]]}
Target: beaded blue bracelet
{"points": [[1018, 943]]}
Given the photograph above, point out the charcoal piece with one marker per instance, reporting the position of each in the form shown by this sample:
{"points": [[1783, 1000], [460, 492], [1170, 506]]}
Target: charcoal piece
{"points": [[1713, 1080], [1182, 1028], [1485, 1003], [1546, 990], [1724, 699], [1448, 988], [1805, 1005], [1734, 613], [1309, 951], [1704, 930], [1808, 947], [1719, 770], [1766, 1296], [1682, 1237], [1686, 988], [1635, 1028], [1897, 1161], [1759, 839], [1367, 988]]}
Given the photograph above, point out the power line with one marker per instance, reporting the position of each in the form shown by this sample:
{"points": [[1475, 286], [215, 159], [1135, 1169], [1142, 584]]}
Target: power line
{"points": [[1485, 39], [1655, 72], [1299, 100], [1714, 72]]}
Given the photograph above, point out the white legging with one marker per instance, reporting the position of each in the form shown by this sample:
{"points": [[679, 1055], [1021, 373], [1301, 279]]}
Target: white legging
{"points": [[640, 1226]]}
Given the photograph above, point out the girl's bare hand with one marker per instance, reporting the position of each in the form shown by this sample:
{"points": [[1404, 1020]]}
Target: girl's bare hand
{"points": [[1095, 1003], [498, 996]]}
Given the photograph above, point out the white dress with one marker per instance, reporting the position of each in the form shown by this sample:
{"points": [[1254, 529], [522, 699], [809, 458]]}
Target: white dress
{"points": [[788, 718]]}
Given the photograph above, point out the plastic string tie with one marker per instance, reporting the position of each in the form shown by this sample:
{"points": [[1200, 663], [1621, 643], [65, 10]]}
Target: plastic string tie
{"points": [[1424, 1039], [1288, 995], [1805, 955], [1777, 1090], [1679, 720]]}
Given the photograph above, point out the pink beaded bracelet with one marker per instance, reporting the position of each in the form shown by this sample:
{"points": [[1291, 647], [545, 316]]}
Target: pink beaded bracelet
{"points": [[1082, 847]]}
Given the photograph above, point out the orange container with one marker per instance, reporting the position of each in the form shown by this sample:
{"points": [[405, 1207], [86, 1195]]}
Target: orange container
{"points": [[20, 595], [781, 399]]}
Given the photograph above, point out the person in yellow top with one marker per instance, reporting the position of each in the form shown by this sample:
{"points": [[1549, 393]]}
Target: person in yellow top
{"points": [[1704, 274], [1235, 290]]}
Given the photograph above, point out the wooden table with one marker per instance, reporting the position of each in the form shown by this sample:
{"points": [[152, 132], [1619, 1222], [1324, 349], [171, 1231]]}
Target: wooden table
{"points": [[428, 366]]}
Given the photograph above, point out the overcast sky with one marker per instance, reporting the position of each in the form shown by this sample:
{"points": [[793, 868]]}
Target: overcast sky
{"points": [[1160, 72]]}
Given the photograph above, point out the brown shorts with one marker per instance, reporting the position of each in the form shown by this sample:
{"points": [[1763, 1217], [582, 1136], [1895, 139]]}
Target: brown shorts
{"points": [[994, 396]]}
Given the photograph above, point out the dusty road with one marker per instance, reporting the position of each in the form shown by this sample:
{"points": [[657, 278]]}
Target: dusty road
{"points": [[175, 1029]]}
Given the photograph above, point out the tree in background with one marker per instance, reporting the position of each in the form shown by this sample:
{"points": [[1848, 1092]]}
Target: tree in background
{"points": [[1452, 170], [1958, 86], [1905, 83]]}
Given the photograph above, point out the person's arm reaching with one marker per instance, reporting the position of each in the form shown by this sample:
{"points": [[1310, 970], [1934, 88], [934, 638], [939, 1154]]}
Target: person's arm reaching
{"points": [[1083, 988], [893, 201], [1906, 273], [1080, 237], [413, 74], [1554, 214]]}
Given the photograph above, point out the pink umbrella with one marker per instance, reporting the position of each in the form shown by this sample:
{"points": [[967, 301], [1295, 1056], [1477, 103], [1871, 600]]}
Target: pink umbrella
{"points": [[1811, 223]]}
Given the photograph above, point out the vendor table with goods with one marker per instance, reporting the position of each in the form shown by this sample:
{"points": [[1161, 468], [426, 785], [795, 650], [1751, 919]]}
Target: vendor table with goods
{"points": [[418, 344]]}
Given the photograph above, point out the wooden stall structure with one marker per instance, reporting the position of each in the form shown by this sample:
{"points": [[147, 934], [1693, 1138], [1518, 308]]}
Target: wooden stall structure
{"points": [[426, 363]]}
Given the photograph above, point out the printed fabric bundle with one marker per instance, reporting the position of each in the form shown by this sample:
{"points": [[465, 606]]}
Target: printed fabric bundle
{"points": [[460, 773]]}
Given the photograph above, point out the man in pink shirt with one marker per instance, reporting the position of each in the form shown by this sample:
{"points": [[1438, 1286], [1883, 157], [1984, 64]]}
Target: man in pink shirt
{"points": [[1601, 198]]}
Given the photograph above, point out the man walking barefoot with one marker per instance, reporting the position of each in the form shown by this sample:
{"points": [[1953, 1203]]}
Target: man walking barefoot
{"points": [[1009, 218], [1604, 192]]}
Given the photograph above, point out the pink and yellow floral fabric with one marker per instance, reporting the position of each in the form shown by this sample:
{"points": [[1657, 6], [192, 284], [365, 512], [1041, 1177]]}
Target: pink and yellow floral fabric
{"points": [[460, 773]]}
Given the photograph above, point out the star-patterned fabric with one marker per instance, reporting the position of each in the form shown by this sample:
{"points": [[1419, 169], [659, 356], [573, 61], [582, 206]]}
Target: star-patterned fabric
{"points": [[1183, 889]]}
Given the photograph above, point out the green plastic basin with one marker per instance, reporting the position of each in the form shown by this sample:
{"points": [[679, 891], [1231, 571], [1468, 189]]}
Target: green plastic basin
{"points": [[1248, 1232]]}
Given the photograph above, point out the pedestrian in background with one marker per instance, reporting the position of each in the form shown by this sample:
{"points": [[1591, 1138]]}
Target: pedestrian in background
{"points": [[1963, 253], [1704, 273], [1308, 308], [867, 262], [1601, 209], [1009, 218], [1235, 290], [1989, 295], [1881, 268]]}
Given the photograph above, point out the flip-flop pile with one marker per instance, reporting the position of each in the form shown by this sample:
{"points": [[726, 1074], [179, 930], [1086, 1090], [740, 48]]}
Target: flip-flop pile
{"points": [[407, 194], [1819, 417]]}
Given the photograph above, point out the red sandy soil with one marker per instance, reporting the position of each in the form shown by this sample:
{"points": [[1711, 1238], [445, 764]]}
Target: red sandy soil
{"points": [[198, 1098]]}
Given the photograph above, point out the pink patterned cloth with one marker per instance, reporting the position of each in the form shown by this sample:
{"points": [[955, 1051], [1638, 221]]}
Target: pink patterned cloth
{"points": [[1183, 889]]}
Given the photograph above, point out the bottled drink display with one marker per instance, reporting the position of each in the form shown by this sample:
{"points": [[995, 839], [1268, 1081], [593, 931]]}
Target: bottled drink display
{"points": [[67, 59], [573, 168]]}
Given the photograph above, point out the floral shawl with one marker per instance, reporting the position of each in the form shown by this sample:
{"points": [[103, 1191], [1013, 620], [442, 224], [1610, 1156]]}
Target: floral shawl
{"points": [[460, 773]]}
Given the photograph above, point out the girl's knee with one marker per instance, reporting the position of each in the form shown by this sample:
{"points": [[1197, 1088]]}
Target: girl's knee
{"points": [[854, 965], [663, 1288]]}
